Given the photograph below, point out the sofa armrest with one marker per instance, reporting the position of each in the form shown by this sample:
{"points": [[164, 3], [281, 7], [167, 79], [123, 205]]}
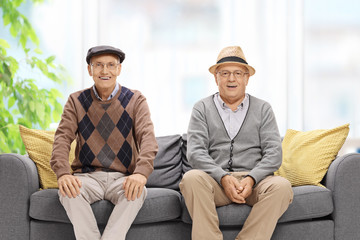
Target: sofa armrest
{"points": [[343, 179], [19, 179]]}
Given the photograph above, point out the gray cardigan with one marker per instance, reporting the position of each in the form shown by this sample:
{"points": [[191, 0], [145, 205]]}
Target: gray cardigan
{"points": [[256, 147]]}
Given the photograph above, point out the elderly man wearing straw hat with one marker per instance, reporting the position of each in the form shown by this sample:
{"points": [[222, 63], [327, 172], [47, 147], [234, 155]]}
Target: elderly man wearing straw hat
{"points": [[234, 147]]}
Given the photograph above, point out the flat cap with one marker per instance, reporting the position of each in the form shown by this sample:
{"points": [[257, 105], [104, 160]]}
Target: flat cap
{"points": [[102, 50]]}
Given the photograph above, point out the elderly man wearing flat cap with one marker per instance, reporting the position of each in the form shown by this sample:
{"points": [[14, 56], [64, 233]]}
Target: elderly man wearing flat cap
{"points": [[115, 149], [234, 147]]}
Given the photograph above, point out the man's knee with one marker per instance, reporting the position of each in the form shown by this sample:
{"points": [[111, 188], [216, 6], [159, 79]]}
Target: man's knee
{"points": [[282, 188], [196, 181], [117, 197], [144, 194], [190, 178], [82, 194]]}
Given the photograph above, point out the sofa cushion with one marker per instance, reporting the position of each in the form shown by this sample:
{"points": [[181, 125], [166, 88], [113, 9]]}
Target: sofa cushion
{"points": [[39, 145], [160, 205], [309, 202], [308, 155], [167, 164]]}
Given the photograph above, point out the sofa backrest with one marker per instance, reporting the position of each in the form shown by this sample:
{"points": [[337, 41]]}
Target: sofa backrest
{"points": [[185, 164], [168, 163]]}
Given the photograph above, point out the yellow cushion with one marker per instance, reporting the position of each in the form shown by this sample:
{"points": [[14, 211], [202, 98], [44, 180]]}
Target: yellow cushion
{"points": [[39, 144], [308, 155]]}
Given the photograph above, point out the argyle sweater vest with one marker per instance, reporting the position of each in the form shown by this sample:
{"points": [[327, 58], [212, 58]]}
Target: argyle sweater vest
{"points": [[109, 134]]}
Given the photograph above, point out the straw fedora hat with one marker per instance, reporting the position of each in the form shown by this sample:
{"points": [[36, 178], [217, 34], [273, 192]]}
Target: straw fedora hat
{"points": [[232, 54]]}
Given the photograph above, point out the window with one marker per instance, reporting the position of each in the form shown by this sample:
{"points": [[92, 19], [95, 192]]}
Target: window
{"points": [[306, 53], [331, 64]]}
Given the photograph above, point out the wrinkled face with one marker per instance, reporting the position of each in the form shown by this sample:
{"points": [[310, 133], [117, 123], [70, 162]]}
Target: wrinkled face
{"points": [[104, 69], [232, 80]]}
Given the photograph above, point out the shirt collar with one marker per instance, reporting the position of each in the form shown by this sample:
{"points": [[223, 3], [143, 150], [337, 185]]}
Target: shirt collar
{"points": [[114, 92], [240, 107]]}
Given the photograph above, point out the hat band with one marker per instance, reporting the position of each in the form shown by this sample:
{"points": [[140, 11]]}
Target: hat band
{"points": [[232, 59]]}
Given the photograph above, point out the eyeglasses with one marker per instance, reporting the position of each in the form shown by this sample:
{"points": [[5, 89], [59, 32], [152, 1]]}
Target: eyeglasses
{"points": [[237, 74], [100, 66]]}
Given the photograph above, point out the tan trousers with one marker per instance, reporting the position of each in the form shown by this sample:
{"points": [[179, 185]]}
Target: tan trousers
{"points": [[97, 186], [269, 200]]}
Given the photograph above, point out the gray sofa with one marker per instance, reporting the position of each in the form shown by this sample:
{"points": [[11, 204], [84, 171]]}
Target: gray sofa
{"points": [[316, 213]]}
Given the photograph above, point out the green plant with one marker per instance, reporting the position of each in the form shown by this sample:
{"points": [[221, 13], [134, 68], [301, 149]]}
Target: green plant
{"points": [[21, 100]]}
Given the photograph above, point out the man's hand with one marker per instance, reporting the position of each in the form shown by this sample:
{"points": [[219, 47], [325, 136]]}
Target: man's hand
{"points": [[69, 185], [246, 184], [134, 186], [232, 189]]}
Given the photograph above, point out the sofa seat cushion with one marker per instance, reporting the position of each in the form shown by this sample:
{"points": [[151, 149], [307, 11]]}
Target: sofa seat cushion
{"points": [[160, 205], [309, 202]]}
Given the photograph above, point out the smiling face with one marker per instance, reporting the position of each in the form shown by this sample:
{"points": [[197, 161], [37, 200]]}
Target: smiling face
{"points": [[103, 76], [232, 88]]}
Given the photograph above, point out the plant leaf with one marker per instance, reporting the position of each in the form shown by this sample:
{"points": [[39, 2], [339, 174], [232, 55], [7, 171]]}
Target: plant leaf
{"points": [[11, 102], [15, 111], [32, 106], [38, 51], [6, 19], [50, 59], [4, 43]]}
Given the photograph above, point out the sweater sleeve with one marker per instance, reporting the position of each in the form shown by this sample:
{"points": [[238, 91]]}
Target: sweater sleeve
{"points": [[145, 137], [198, 144], [64, 136], [270, 143]]}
